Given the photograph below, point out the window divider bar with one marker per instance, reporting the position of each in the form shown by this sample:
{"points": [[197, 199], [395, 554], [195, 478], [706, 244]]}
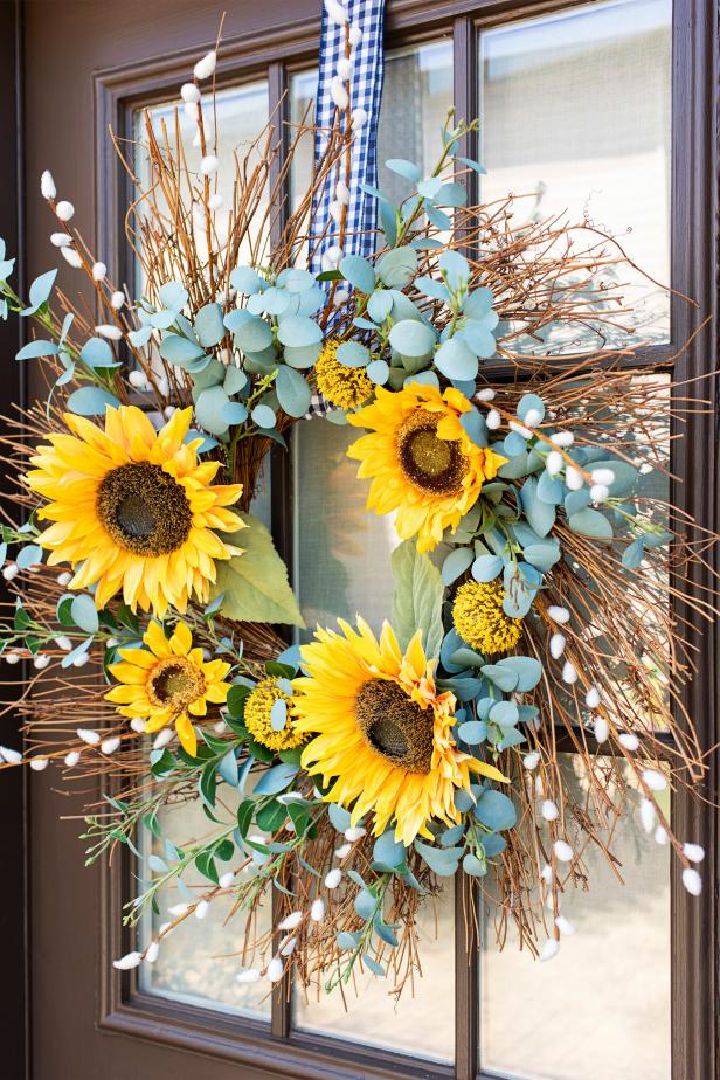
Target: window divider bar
{"points": [[281, 515], [465, 95], [467, 976]]}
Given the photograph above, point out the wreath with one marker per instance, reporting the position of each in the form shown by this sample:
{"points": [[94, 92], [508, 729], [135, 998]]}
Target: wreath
{"points": [[351, 774]]}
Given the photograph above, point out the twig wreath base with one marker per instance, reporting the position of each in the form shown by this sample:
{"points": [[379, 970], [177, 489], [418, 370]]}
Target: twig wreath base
{"points": [[535, 582]]}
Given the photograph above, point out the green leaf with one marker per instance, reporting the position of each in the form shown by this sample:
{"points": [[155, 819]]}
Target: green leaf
{"points": [[275, 780], [37, 348], [91, 401], [358, 272], [388, 852], [365, 904], [442, 861], [397, 268], [417, 599], [84, 613], [412, 338], [540, 515], [634, 553], [591, 523], [208, 327], [293, 391], [495, 810], [456, 563], [255, 583]]}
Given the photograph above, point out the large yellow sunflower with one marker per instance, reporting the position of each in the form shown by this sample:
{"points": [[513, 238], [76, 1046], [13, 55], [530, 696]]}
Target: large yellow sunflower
{"points": [[423, 463], [383, 732], [166, 681], [134, 509]]}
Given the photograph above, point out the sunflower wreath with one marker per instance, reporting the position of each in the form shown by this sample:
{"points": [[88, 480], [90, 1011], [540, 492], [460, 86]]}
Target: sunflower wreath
{"points": [[348, 776]]}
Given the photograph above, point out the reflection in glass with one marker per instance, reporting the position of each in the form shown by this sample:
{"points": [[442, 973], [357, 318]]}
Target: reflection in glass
{"points": [[601, 1007], [342, 553], [423, 1022], [201, 968], [576, 114]]}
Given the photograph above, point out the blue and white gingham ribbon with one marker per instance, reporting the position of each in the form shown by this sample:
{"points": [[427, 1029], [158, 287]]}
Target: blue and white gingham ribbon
{"points": [[366, 19]]}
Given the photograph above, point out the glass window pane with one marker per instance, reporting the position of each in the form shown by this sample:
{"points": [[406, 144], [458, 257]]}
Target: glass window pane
{"points": [[201, 968], [422, 1023], [342, 556], [342, 553], [342, 566], [241, 113], [576, 108], [601, 1007]]}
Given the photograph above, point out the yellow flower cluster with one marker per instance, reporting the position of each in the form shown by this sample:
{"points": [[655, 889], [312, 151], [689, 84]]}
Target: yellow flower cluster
{"points": [[345, 387], [480, 620], [258, 707]]}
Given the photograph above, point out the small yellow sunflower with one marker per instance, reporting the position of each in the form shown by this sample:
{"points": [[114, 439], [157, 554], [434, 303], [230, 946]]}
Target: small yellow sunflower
{"points": [[166, 681], [480, 620], [134, 509], [423, 463], [257, 719], [345, 387], [383, 732]]}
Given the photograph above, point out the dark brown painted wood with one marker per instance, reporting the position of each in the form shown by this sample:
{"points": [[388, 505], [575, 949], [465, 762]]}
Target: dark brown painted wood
{"points": [[14, 926], [140, 54]]}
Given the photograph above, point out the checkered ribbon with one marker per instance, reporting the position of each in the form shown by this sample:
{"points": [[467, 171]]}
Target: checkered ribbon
{"points": [[365, 87]]}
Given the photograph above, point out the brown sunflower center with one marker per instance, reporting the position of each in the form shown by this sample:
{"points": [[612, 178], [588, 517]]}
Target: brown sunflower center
{"points": [[144, 509], [433, 464], [395, 726], [175, 681]]}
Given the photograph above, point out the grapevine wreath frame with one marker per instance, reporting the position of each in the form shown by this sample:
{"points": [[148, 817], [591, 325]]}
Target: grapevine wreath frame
{"points": [[526, 525]]}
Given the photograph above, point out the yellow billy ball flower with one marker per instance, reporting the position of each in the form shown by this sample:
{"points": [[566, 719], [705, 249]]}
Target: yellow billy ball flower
{"points": [[168, 682], [480, 620], [258, 707], [345, 387]]}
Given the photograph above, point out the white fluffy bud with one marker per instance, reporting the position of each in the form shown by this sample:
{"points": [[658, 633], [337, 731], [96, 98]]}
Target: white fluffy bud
{"points": [[629, 740], [694, 852], [692, 881], [47, 186], [563, 438], [599, 493], [569, 673], [355, 35], [559, 615], [128, 962], [190, 92], [336, 12], [64, 210], [549, 810], [592, 698], [72, 257], [117, 299], [603, 476], [654, 780], [87, 735], [573, 478], [209, 165], [647, 815], [205, 67], [60, 239], [602, 729], [333, 878], [99, 271], [275, 969], [563, 851], [549, 950], [557, 645], [493, 420], [532, 760], [554, 462], [317, 910]]}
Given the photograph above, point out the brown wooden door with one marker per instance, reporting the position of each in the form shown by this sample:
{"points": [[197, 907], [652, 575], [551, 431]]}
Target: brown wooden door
{"points": [[87, 64]]}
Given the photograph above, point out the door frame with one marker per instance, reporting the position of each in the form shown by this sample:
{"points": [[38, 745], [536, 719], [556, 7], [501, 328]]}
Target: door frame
{"points": [[696, 258]]}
